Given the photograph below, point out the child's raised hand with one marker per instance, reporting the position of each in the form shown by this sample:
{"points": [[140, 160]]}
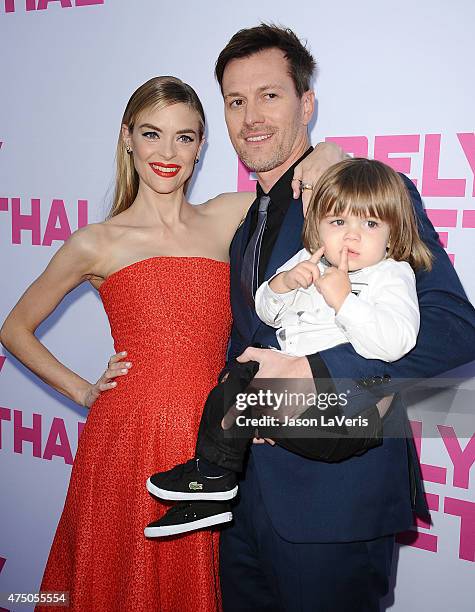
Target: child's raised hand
{"points": [[335, 284], [302, 275], [305, 273]]}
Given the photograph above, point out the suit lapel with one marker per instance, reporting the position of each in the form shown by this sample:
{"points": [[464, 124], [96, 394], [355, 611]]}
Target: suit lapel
{"points": [[289, 240], [243, 314]]}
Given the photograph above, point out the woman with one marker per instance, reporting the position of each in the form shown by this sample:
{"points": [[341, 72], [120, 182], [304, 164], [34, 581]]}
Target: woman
{"points": [[161, 268]]}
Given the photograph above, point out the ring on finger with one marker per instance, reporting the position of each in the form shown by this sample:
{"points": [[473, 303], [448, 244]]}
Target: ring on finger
{"points": [[304, 186]]}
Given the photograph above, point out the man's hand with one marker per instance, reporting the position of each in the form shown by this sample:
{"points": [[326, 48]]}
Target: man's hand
{"points": [[310, 169], [335, 284], [274, 364], [302, 275], [115, 367]]}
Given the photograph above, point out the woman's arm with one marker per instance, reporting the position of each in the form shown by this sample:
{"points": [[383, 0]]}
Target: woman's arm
{"points": [[73, 263]]}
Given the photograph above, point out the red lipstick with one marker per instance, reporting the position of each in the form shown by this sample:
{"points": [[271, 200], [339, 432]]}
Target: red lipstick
{"points": [[165, 170]]}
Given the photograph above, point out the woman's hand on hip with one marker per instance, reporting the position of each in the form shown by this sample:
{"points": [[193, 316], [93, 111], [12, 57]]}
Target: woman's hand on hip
{"points": [[115, 367]]}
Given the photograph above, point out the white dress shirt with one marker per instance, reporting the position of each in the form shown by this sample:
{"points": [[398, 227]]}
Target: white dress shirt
{"points": [[380, 317]]}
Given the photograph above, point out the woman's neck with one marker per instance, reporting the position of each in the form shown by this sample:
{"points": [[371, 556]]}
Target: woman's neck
{"points": [[152, 208]]}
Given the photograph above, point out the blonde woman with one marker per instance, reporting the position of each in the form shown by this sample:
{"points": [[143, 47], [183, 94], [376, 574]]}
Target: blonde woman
{"points": [[161, 268]]}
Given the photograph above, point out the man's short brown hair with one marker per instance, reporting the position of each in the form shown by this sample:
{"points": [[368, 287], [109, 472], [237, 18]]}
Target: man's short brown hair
{"points": [[268, 36]]}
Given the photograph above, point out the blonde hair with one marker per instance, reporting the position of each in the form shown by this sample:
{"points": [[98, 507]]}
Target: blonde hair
{"points": [[157, 93], [366, 187]]}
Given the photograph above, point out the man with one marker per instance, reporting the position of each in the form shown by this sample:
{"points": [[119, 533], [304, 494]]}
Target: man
{"points": [[316, 535]]}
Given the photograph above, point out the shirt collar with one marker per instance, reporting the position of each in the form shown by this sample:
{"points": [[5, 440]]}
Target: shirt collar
{"points": [[281, 192]]}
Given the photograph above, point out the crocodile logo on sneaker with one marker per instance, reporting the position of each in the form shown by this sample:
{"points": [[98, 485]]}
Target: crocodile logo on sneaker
{"points": [[195, 486]]}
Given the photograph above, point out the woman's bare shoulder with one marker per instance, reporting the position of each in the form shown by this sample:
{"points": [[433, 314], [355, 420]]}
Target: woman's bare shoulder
{"points": [[101, 232], [226, 204], [93, 243], [89, 237]]}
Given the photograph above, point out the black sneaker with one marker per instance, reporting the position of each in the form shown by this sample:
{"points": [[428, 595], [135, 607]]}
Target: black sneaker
{"points": [[186, 482], [186, 516]]}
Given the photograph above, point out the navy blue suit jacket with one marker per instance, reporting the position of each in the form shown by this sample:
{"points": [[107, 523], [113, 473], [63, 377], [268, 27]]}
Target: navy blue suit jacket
{"points": [[370, 495]]}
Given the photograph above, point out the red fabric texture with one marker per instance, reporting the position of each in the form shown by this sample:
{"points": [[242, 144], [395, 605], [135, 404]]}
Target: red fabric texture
{"points": [[172, 315]]}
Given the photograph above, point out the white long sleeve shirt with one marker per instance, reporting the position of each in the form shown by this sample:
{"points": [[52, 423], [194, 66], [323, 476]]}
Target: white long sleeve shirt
{"points": [[380, 317]]}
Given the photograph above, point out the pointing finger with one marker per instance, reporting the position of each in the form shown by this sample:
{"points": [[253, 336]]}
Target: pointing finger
{"points": [[317, 255], [343, 265]]}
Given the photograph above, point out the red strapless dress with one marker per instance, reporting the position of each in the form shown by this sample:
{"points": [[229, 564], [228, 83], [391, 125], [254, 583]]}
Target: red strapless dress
{"points": [[173, 317]]}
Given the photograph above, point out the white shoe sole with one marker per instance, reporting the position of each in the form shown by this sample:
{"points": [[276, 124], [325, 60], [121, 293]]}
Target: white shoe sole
{"points": [[168, 530], [181, 496]]}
